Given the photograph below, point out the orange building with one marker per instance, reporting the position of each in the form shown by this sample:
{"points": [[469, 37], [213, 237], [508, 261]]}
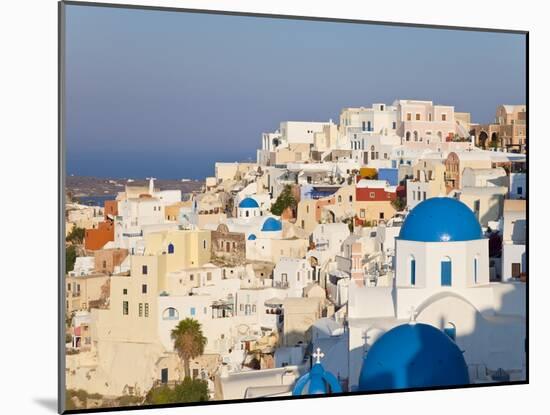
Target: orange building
{"points": [[110, 208], [95, 239]]}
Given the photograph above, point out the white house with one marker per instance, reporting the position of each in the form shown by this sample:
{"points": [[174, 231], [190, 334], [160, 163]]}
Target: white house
{"points": [[294, 274]]}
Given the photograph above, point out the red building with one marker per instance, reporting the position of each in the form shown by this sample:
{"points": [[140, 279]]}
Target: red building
{"points": [[374, 191]]}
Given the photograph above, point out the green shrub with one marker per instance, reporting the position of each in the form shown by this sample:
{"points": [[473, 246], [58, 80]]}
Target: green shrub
{"points": [[190, 390], [70, 258]]}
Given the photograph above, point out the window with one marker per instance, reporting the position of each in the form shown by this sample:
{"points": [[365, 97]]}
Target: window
{"points": [[414, 193], [191, 277], [254, 308], [164, 375], [417, 117], [475, 270], [104, 264], [208, 276], [430, 116], [125, 308], [171, 248], [446, 272], [124, 291], [419, 195], [144, 269], [241, 307], [362, 213], [298, 276], [371, 195], [413, 271], [192, 311], [424, 194], [369, 126], [204, 244], [351, 198], [393, 125], [363, 125], [381, 108], [520, 190], [381, 215], [409, 116], [144, 288], [443, 117], [146, 309], [339, 198], [170, 314], [140, 310], [69, 287]]}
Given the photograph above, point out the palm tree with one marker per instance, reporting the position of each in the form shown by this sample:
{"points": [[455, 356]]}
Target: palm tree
{"points": [[189, 342]]}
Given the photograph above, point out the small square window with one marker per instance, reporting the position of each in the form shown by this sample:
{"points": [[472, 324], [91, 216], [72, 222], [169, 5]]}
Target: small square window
{"points": [[124, 291], [144, 269], [144, 288]]}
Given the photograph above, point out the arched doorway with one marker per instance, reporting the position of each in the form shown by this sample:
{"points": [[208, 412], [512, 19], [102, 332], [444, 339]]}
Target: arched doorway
{"points": [[482, 139]]}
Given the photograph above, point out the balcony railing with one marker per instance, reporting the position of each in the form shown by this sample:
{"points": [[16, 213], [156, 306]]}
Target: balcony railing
{"points": [[280, 284]]}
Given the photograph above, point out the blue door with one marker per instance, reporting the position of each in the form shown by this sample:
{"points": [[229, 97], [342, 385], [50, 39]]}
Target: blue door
{"points": [[446, 273]]}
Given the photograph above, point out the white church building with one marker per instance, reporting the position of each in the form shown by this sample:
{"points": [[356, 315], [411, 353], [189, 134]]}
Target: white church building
{"points": [[442, 280]]}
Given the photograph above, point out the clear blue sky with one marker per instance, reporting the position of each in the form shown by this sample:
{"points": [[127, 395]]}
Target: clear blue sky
{"points": [[166, 94]]}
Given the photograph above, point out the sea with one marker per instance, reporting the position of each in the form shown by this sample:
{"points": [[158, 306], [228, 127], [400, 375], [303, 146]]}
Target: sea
{"points": [[95, 200]]}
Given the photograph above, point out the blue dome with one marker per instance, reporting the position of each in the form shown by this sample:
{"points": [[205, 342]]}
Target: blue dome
{"points": [[252, 237], [248, 202], [317, 382], [440, 219], [413, 356], [272, 225]]}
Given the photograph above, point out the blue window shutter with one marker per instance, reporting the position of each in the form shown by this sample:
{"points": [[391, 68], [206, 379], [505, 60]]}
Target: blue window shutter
{"points": [[446, 273], [413, 271]]}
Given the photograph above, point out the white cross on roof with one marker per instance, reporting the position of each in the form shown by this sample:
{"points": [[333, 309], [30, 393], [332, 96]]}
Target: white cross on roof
{"points": [[318, 355]]}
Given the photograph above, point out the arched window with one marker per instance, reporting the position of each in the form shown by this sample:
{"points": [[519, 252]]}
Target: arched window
{"points": [[412, 270], [170, 248], [339, 198], [247, 213], [170, 314], [476, 265], [415, 136], [408, 135], [446, 272]]}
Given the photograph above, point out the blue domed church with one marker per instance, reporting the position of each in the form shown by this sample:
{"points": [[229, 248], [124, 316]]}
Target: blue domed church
{"points": [[439, 321]]}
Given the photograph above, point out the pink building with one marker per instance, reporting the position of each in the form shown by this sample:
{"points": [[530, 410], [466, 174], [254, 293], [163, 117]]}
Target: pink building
{"points": [[422, 121]]}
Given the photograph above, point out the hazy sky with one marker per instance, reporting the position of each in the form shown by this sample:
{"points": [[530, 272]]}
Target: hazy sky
{"points": [[168, 93]]}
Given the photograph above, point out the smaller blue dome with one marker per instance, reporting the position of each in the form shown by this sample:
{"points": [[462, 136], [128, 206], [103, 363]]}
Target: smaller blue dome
{"points": [[272, 225], [252, 237], [441, 219], [248, 202], [413, 356], [317, 381]]}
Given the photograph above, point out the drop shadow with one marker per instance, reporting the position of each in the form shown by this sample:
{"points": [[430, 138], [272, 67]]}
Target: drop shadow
{"points": [[48, 403]]}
